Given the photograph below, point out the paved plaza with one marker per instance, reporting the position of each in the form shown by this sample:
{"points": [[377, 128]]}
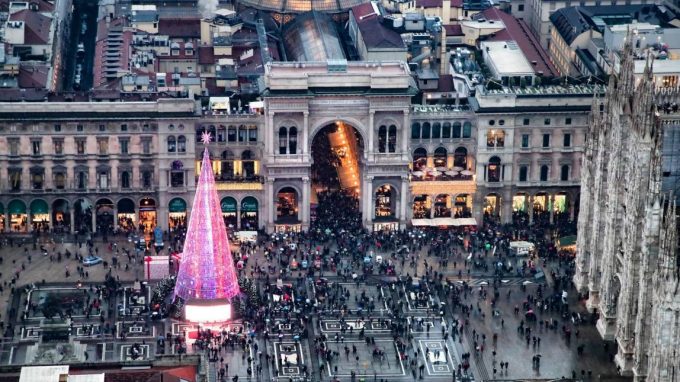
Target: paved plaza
{"points": [[355, 321]]}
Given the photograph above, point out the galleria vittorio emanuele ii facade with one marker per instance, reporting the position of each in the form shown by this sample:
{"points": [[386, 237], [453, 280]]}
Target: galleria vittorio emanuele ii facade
{"points": [[627, 258]]}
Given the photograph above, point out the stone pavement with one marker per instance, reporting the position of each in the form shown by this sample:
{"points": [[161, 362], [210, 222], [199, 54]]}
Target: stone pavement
{"points": [[287, 356], [39, 267]]}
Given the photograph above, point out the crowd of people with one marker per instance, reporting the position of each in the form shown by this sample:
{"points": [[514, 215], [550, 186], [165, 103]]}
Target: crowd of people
{"points": [[436, 265]]}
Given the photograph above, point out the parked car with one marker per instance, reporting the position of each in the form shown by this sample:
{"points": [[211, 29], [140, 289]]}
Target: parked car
{"points": [[92, 260]]}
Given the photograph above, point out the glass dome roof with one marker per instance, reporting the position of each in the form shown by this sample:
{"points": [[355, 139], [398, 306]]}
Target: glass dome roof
{"points": [[300, 6]]}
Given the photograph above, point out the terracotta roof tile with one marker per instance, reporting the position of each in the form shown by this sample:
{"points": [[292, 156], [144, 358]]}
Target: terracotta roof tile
{"points": [[37, 26], [33, 76], [186, 28], [454, 30]]}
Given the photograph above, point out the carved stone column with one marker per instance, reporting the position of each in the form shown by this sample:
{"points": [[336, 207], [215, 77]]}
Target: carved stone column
{"points": [[305, 132]]}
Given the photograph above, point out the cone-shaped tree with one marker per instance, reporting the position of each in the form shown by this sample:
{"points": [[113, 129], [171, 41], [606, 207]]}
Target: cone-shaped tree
{"points": [[206, 269]]}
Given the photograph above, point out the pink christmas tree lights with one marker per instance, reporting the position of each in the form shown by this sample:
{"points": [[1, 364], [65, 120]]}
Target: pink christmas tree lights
{"points": [[206, 269]]}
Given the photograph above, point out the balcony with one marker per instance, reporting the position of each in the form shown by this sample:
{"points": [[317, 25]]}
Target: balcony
{"points": [[442, 174], [238, 183], [442, 182]]}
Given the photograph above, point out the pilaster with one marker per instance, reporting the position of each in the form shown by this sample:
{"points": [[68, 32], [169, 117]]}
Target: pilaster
{"points": [[306, 202]]}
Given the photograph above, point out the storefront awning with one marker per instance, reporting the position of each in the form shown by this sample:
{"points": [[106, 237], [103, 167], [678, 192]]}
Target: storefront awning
{"points": [[177, 205], [16, 207], [439, 222], [228, 205], [567, 241], [249, 204], [39, 207]]}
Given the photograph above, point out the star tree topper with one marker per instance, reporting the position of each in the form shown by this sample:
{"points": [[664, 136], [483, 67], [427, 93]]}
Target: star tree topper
{"points": [[206, 137]]}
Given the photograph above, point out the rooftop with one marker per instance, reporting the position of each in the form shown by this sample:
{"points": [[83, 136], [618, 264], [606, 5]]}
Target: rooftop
{"points": [[313, 36], [301, 6], [518, 31], [506, 58], [37, 26], [180, 27], [570, 22], [374, 33]]}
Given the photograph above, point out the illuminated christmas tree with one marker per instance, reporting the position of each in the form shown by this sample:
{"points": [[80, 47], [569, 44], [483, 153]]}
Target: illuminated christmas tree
{"points": [[206, 270]]}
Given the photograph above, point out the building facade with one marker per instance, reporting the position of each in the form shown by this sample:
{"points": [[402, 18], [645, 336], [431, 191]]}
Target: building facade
{"points": [[89, 167], [96, 166], [627, 258], [529, 147]]}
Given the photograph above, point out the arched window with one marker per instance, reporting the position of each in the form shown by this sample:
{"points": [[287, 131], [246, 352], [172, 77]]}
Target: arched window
{"points": [[283, 140], [446, 130], [419, 159], [213, 131], [242, 133], [292, 140], [415, 130], [199, 133], [440, 157], [125, 179], [564, 172], [221, 134], [460, 158], [467, 130], [172, 144], [456, 130], [382, 139], [231, 134], [436, 130], [495, 138], [426, 131], [494, 169], [545, 172], [392, 139], [181, 144]]}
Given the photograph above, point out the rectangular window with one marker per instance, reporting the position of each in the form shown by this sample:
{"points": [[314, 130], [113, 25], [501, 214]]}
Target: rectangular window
{"points": [[567, 121], [80, 146], [57, 128], [102, 127], [547, 120], [124, 145], [35, 146], [525, 141], [80, 128], [546, 140], [523, 171], [177, 179], [526, 121], [123, 127], [58, 145], [231, 134], [13, 146], [520, 8], [564, 173], [242, 134], [146, 146], [15, 179], [103, 146], [567, 140], [59, 181]]}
